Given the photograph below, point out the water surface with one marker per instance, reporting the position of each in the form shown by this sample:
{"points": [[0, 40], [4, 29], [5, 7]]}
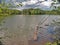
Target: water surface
{"points": [[19, 29]]}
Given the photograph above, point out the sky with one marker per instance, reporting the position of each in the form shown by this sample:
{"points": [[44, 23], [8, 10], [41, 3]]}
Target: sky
{"points": [[16, 0]]}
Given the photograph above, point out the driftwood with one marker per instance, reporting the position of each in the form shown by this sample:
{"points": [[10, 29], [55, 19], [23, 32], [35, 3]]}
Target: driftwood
{"points": [[35, 33]]}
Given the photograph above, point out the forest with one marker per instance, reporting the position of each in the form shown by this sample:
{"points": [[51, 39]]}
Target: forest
{"points": [[6, 11]]}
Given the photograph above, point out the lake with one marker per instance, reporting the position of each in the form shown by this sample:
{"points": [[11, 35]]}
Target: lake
{"points": [[19, 29]]}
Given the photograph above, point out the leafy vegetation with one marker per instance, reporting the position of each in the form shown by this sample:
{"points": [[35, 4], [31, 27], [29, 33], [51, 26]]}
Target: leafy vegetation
{"points": [[49, 43], [40, 12], [5, 11]]}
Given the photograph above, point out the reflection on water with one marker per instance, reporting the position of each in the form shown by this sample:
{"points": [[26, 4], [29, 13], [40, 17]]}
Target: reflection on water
{"points": [[19, 29]]}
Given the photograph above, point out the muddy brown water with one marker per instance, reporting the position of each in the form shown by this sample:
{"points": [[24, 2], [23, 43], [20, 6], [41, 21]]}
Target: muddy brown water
{"points": [[18, 29]]}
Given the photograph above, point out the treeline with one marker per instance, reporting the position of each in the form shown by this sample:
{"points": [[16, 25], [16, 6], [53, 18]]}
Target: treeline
{"points": [[6, 11], [40, 12]]}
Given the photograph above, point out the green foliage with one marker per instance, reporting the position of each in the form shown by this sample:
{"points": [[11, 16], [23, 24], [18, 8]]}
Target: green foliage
{"points": [[40, 12], [33, 12], [5, 11], [49, 43]]}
